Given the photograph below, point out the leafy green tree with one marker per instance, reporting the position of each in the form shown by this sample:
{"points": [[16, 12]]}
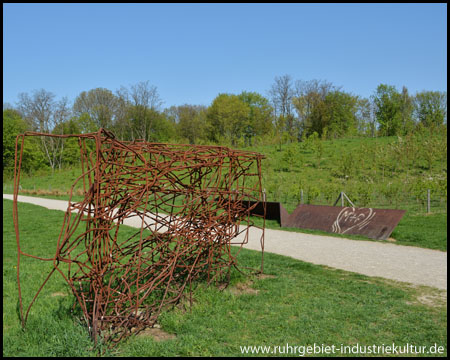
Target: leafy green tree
{"points": [[303, 104], [13, 125], [85, 124], [387, 101], [431, 108], [281, 135], [332, 113], [141, 121], [260, 113], [190, 122], [339, 115], [162, 129], [406, 111], [71, 151], [226, 118], [308, 102]]}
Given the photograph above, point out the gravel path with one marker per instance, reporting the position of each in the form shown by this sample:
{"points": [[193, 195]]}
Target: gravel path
{"points": [[396, 262]]}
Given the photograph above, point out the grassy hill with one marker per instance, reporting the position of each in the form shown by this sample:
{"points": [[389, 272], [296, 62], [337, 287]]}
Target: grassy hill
{"points": [[385, 172], [376, 172]]}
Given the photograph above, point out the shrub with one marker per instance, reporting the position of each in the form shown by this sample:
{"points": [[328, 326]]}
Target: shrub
{"points": [[346, 166], [289, 158], [364, 193], [313, 193], [330, 193]]}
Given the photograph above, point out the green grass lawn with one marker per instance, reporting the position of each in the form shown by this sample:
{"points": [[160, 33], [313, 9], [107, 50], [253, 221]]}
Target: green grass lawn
{"points": [[299, 304], [429, 231], [426, 231]]}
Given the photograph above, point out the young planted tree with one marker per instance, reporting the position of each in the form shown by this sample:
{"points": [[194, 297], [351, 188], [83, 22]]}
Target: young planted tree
{"points": [[289, 158], [281, 135]]}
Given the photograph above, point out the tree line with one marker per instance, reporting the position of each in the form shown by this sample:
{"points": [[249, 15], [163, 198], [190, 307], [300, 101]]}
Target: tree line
{"points": [[290, 112]]}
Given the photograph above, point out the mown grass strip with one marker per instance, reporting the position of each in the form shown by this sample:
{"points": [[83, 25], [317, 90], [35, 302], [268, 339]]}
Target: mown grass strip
{"points": [[299, 304]]}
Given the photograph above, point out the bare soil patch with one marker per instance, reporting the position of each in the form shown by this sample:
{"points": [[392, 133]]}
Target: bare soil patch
{"points": [[265, 276], [430, 297], [156, 334], [433, 300], [243, 288]]}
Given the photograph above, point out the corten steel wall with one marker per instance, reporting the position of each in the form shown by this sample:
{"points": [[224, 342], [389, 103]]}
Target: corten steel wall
{"points": [[374, 223], [188, 200]]}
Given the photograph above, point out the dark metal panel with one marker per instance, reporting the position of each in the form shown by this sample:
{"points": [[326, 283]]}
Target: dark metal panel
{"points": [[274, 210]]}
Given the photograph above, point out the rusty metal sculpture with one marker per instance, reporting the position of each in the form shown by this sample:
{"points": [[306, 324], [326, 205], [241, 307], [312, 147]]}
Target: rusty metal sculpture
{"points": [[188, 200]]}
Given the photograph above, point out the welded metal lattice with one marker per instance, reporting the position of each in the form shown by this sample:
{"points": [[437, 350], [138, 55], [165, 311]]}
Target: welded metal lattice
{"points": [[187, 201]]}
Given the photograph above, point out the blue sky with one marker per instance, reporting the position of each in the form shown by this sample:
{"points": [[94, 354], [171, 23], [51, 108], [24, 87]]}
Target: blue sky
{"points": [[193, 52]]}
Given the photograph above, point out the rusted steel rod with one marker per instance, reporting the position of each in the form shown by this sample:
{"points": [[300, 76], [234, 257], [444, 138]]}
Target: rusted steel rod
{"points": [[188, 200]]}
